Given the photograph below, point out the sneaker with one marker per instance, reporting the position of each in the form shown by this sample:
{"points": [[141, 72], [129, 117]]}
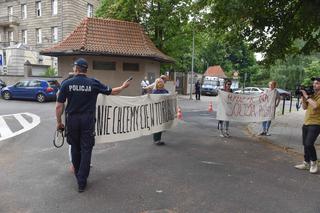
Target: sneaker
{"points": [[222, 134], [227, 134], [303, 166], [159, 143], [262, 133], [313, 167], [267, 134]]}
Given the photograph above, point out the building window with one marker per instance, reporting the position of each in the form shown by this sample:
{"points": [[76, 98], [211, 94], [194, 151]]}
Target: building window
{"points": [[54, 34], [89, 10], [38, 8], [39, 36], [23, 11], [104, 65], [10, 35], [131, 67], [54, 5], [10, 11], [24, 34]]}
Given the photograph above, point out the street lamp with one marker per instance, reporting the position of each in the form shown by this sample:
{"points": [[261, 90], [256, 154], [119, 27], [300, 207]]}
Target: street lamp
{"points": [[192, 64]]}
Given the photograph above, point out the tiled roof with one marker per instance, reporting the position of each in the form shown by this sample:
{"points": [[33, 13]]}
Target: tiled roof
{"points": [[215, 71], [108, 37]]}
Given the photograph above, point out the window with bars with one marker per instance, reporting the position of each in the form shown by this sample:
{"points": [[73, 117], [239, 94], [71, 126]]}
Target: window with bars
{"points": [[54, 5], [131, 67], [89, 10], [54, 34], [38, 8], [39, 35], [24, 34], [23, 11], [104, 65]]}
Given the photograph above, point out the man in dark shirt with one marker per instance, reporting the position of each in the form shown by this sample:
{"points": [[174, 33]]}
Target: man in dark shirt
{"points": [[198, 89], [81, 93]]}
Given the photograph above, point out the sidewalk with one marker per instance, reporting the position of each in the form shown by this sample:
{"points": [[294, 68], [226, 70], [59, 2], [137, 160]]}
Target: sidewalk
{"points": [[285, 131]]}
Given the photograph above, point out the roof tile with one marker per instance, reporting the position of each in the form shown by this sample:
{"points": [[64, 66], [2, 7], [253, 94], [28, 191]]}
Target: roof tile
{"points": [[215, 71], [108, 37]]}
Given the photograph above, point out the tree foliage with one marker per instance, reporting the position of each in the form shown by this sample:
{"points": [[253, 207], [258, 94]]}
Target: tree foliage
{"points": [[271, 27], [171, 24]]}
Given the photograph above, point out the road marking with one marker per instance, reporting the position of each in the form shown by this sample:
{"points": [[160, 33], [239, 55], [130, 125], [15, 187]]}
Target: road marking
{"points": [[5, 131], [211, 163]]}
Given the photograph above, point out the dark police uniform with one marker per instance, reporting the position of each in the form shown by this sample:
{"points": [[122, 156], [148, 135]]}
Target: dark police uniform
{"points": [[81, 93]]}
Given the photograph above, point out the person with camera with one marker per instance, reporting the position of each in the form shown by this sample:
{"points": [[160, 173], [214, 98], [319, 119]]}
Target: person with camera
{"points": [[81, 93], [311, 126]]}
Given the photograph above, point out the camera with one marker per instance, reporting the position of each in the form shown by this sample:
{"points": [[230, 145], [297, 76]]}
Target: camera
{"points": [[309, 90]]}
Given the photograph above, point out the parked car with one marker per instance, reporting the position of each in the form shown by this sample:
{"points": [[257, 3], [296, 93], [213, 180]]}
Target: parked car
{"points": [[249, 91], [2, 84], [283, 93], [35, 89]]}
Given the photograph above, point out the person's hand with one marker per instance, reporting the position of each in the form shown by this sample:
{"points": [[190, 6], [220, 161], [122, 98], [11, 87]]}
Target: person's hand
{"points": [[304, 94], [60, 125], [125, 84]]}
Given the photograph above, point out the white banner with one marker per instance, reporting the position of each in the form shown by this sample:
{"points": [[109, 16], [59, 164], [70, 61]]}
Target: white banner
{"points": [[246, 108], [125, 117]]}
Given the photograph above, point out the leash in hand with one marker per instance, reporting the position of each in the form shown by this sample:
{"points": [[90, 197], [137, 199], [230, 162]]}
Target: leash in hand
{"points": [[58, 138]]}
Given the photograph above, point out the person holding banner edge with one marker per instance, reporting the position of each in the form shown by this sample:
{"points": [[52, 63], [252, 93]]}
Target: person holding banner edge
{"points": [[224, 125], [81, 93], [311, 127], [266, 124], [159, 89]]}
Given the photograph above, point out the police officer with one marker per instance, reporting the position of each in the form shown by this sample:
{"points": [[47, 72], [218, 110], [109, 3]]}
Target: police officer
{"points": [[81, 93]]}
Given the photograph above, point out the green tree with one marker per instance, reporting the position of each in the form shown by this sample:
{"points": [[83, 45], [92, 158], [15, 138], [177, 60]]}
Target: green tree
{"points": [[312, 70], [271, 27]]}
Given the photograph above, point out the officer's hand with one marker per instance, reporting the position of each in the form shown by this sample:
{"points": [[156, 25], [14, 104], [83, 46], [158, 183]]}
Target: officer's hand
{"points": [[60, 126], [125, 84]]}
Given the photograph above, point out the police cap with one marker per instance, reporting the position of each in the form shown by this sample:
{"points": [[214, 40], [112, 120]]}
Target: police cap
{"points": [[81, 62]]}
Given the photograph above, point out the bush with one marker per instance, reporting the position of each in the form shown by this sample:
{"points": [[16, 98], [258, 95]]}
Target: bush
{"points": [[50, 72]]}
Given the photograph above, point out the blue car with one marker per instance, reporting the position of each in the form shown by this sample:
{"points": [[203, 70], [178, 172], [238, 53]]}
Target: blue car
{"points": [[35, 89]]}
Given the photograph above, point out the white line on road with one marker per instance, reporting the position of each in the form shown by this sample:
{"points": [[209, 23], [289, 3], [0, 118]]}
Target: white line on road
{"points": [[6, 132]]}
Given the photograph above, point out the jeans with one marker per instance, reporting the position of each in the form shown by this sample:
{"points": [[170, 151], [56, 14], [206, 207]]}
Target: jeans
{"points": [[197, 95], [224, 125], [309, 137], [266, 125]]}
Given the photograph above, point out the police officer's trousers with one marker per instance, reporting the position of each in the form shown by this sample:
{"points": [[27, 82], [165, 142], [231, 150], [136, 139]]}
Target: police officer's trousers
{"points": [[80, 134]]}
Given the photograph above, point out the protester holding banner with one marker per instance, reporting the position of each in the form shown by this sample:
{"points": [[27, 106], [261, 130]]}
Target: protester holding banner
{"points": [[159, 84], [223, 125], [81, 93], [266, 124], [153, 85], [311, 127]]}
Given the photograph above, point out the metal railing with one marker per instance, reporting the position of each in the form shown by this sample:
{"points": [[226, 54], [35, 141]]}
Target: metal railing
{"points": [[7, 20]]}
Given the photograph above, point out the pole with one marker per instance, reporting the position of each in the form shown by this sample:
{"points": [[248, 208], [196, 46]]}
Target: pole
{"points": [[192, 64]]}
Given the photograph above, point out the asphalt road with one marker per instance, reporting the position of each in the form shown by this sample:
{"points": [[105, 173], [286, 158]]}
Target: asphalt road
{"points": [[196, 172]]}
